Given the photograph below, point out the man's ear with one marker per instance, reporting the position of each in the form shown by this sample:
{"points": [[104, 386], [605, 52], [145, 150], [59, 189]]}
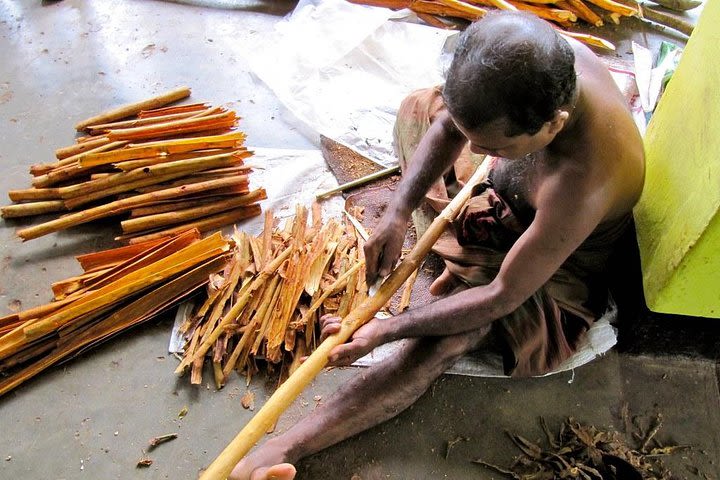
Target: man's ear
{"points": [[558, 122]]}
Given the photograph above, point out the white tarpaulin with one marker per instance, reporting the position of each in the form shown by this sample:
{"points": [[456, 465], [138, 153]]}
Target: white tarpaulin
{"points": [[343, 69]]}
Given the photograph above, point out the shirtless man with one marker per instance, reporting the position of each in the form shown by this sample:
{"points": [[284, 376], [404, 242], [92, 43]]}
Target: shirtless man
{"points": [[571, 162]]}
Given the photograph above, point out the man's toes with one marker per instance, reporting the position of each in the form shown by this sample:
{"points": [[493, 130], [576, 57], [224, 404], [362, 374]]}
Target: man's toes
{"points": [[283, 471]]}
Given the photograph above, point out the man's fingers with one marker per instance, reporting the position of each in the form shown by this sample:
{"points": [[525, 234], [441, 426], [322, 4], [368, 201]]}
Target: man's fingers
{"points": [[340, 356], [329, 329]]}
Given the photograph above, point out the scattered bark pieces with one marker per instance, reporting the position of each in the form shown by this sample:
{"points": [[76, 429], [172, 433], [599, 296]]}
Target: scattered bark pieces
{"points": [[452, 443], [144, 462], [587, 452], [248, 400], [155, 441], [183, 412]]}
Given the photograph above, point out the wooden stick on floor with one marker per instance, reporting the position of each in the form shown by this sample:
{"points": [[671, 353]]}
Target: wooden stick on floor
{"points": [[293, 387]]}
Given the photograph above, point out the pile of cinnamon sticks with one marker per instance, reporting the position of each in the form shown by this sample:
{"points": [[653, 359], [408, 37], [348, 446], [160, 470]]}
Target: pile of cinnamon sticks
{"points": [[267, 303], [119, 289], [171, 168], [563, 13]]}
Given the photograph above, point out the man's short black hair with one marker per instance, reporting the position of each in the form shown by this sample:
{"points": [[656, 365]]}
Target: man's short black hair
{"points": [[509, 65]]}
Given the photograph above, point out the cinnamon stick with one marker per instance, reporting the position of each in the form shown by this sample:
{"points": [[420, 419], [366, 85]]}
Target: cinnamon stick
{"points": [[135, 107], [120, 206]]}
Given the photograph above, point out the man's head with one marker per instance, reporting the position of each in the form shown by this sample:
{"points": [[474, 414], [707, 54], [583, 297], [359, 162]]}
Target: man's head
{"points": [[511, 74]]}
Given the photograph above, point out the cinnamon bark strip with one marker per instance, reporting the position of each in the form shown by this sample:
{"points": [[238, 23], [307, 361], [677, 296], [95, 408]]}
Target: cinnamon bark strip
{"points": [[177, 127], [95, 260], [236, 309], [105, 185], [80, 147], [130, 109], [149, 149], [145, 258], [30, 194], [139, 122], [588, 39], [66, 171], [134, 282], [170, 218], [206, 224], [552, 14], [34, 208], [581, 10], [449, 8], [120, 206], [170, 206], [190, 107], [616, 7], [138, 311]]}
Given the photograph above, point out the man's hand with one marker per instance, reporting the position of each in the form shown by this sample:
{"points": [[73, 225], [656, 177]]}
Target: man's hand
{"points": [[362, 342], [383, 248]]}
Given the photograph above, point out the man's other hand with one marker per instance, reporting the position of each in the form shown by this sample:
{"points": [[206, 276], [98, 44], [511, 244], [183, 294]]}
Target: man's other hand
{"points": [[362, 342]]}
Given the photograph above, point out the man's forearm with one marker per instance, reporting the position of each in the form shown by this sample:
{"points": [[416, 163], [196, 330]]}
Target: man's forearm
{"points": [[436, 152], [462, 312]]}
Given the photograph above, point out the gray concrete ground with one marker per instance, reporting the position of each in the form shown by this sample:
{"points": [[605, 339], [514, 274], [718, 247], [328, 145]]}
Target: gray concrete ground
{"points": [[92, 417]]}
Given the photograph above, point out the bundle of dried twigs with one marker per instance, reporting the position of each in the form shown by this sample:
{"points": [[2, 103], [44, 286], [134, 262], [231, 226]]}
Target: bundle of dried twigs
{"points": [[563, 13], [120, 288], [172, 168], [587, 452], [266, 304]]}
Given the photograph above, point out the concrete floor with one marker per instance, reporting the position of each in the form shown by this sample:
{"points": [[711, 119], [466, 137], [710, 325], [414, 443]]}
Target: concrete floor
{"points": [[92, 417]]}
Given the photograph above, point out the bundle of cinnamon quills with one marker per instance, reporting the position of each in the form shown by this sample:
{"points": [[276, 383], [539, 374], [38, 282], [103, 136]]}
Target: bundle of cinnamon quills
{"points": [[264, 309], [166, 169], [119, 289], [563, 13]]}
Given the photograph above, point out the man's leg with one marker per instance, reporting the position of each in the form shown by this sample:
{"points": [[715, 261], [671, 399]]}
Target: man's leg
{"points": [[373, 396]]}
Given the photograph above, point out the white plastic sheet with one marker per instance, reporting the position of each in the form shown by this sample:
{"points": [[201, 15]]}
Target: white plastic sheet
{"points": [[343, 69]]}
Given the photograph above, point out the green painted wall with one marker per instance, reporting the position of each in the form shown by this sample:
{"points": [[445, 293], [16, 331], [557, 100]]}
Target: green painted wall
{"points": [[678, 216]]}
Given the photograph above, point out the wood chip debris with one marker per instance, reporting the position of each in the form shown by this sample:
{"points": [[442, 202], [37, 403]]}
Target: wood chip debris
{"points": [[120, 288], [155, 441], [248, 400], [166, 171], [264, 309], [586, 452]]}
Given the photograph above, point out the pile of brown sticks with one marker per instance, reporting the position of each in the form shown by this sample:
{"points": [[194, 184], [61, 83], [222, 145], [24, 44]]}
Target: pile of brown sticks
{"points": [[120, 288], [563, 13], [267, 303], [171, 168]]}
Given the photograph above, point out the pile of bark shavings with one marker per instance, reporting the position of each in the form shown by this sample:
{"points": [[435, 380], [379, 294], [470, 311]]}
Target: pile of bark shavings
{"points": [[589, 453]]}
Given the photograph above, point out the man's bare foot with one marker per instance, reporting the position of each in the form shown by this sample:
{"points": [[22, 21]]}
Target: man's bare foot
{"points": [[445, 284], [265, 463]]}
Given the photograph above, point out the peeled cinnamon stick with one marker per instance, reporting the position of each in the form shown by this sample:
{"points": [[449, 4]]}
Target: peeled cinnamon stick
{"points": [[134, 108]]}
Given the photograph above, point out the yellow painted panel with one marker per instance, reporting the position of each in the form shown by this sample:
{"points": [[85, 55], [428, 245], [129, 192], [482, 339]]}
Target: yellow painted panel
{"points": [[677, 216]]}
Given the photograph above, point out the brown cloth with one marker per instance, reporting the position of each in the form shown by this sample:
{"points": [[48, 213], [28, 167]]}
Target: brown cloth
{"points": [[548, 327]]}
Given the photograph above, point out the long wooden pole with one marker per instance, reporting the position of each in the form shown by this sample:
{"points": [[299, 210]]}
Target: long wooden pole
{"points": [[293, 386]]}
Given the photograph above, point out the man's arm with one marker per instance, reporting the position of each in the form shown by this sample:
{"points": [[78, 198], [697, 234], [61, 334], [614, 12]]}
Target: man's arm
{"points": [[437, 151], [570, 206], [569, 209]]}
